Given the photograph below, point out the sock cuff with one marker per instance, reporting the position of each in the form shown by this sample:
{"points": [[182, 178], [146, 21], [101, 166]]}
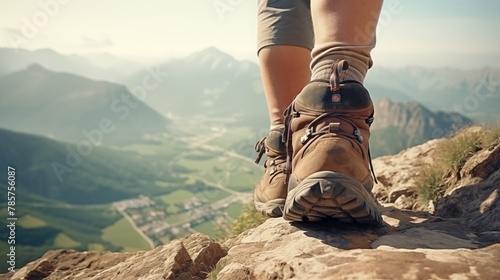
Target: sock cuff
{"points": [[323, 70]]}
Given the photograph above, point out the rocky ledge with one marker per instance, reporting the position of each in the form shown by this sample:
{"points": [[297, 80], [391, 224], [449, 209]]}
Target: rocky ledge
{"points": [[456, 237]]}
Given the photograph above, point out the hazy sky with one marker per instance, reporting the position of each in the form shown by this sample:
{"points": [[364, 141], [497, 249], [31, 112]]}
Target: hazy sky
{"points": [[459, 33]]}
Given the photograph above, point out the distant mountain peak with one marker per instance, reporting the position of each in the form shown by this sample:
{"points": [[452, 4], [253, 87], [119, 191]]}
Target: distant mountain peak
{"points": [[211, 57], [401, 125], [408, 105], [213, 51], [13, 60], [46, 50], [35, 67], [65, 104]]}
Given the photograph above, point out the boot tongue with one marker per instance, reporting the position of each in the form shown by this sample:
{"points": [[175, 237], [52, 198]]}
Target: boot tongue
{"points": [[274, 143], [319, 97]]}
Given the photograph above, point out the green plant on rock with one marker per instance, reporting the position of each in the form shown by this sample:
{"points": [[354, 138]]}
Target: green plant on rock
{"points": [[249, 218], [450, 157], [457, 150], [431, 184], [491, 137], [212, 275]]}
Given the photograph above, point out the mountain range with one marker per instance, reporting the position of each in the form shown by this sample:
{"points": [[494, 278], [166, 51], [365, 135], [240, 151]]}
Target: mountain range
{"points": [[474, 93], [93, 66], [398, 126], [209, 82], [72, 108], [214, 84]]}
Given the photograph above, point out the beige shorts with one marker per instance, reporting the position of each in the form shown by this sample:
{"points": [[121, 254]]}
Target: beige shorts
{"points": [[284, 22]]}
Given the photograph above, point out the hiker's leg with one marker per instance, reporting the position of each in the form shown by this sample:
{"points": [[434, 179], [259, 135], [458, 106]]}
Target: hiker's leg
{"points": [[285, 71], [344, 30], [285, 38]]}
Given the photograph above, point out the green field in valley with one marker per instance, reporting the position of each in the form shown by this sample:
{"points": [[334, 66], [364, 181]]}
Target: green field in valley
{"points": [[29, 221], [64, 241], [122, 234], [234, 209], [207, 228]]}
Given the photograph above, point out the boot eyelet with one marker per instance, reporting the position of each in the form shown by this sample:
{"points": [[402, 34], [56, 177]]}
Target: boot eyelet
{"points": [[358, 135]]}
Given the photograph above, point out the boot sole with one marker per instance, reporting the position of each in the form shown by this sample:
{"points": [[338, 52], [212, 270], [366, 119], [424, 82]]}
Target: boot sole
{"points": [[327, 194], [272, 208]]}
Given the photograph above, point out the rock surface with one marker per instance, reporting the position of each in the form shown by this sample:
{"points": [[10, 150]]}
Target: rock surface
{"points": [[461, 240], [189, 258], [396, 174], [476, 205], [409, 246], [475, 182]]}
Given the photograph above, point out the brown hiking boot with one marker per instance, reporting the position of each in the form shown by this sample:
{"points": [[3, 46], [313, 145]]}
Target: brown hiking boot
{"points": [[327, 132], [270, 192]]}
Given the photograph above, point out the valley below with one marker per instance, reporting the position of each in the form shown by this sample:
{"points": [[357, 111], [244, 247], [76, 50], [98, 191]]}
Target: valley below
{"points": [[200, 179]]}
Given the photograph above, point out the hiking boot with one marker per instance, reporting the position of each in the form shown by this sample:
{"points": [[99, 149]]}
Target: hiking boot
{"points": [[270, 192], [327, 132]]}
